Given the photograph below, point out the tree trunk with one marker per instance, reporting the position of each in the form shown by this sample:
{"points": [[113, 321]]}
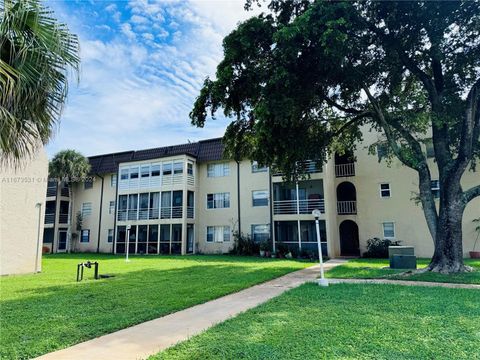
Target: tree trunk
{"points": [[448, 254]]}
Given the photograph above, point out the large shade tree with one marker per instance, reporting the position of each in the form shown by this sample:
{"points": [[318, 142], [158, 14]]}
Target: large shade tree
{"points": [[308, 75], [36, 54], [69, 167]]}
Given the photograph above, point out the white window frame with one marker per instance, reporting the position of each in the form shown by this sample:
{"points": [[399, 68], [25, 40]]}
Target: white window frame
{"points": [[218, 237], [394, 230], [111, 207], [218, 169], [113, 180], [253, 226], [257, 169], [436, 188], [110, 239], [381, 190], [81, 236], [124, 172], [218, 200], [84, 210], [260, 191]]}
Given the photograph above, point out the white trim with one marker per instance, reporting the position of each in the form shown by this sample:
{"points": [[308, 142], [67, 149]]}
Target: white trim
{"points": [[394, 230], [389, 190]]}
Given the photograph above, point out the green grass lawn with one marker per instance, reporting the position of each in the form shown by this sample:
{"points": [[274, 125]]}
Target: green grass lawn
{"points": [[375, 269], [347, 321], [48, 311]]}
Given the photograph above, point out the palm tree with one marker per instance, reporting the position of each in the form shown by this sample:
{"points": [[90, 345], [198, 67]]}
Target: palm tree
{"points": [[69, 166], [36, 54]]}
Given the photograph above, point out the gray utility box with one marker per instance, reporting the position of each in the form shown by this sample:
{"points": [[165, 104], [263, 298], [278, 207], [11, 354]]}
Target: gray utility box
{"points": [[402, 257]]}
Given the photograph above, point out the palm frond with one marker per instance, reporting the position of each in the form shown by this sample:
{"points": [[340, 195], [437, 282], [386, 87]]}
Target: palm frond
{"points": [[37, 54]]}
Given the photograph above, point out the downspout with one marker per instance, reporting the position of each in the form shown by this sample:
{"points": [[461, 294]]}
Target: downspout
{"points": [[238, 198], [100, 214], [55, 218], [270, 189], [115, 213]]}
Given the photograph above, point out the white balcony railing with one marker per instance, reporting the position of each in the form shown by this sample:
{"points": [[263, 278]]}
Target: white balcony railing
{"points": [[290, 207], [63, 218], [346, 207], [173, 212], [344, 170], [49, 218], [190, 212], [309, 167]]}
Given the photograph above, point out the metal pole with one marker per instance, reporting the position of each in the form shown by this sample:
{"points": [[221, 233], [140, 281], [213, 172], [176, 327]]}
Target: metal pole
{"points": [[127, 247], [322, 281], [299, 229]]}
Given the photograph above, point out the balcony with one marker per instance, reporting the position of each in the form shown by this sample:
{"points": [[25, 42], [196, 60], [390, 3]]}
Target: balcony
{"points": [[346, 207], [52, 191], [294, 207], [308, 167], [173, 212], [63, 218], [50, 218], [345, 170], [190, 212]]}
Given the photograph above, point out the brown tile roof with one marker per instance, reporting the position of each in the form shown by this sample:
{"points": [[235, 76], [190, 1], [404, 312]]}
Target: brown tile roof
{"points": [[204, 150]]}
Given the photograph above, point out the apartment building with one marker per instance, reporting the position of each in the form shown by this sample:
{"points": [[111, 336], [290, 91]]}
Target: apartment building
{"points": [[188, 199], [22, 197]]}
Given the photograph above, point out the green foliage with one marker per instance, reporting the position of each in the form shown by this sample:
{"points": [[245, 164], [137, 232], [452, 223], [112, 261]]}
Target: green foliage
{"points": [[49, 311], [346, 321], [36, 54], [244, 245], [378, 248], [79, 221], [301, 80], [69, 166]]}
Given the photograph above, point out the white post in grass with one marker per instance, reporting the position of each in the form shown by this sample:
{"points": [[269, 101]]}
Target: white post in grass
{"points": [[127, 246], [322, 282]]}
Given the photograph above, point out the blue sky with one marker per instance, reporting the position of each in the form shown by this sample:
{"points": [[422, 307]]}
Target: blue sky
{"points": [[143, 63]]}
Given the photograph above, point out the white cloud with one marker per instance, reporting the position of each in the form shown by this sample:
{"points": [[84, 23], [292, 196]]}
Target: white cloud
{"points": [[137, 94]]}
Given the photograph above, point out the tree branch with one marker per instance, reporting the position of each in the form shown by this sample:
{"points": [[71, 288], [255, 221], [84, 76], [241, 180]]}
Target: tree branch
{"points": [[340, 107], [471, 194]]}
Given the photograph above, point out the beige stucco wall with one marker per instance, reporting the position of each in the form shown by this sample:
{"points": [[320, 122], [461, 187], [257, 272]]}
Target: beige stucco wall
{"points": [[20, 190], [215, 217], [410, 224], [91, 222]]}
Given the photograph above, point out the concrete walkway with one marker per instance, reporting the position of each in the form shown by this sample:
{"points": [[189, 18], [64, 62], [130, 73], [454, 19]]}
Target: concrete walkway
{"points": [[148, 338], [405, 283]]}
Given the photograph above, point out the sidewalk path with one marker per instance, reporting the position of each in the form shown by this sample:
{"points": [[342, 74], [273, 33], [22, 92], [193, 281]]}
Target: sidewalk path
{"points": [[148, 338], [405, 283]]}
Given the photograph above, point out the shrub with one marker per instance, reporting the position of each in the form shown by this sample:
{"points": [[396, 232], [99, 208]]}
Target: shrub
{"points": [[244, 245], [378, 248]]}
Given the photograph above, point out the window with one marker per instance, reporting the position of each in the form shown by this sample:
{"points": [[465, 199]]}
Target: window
{"points": [[113, 180], [388, 229], [178, 168], [111, 207], [145, 171], [257, 169], [218, 170], [155, 170], [85, 238], [134, 172], [435, 186], [382, 150], [167, 168], [88, 184], [86, 209], [260, 232], [385, 190], [189, 168], [124, 174], [110, 235], [218, 201], [260, 198], [218, 234], [430, 152]]}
